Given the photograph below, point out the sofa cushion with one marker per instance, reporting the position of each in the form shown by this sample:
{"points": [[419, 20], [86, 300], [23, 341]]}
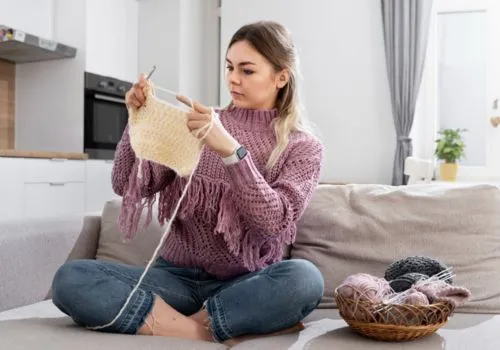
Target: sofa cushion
{"points": [[43, 326], [113, 247], [42, 309], [49, 330], [63, 334], [32, 250], [363, 228]]}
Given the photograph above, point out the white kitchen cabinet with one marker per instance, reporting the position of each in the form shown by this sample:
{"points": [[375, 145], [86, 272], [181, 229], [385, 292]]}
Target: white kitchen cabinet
{"points": [[11, 188], [30, 16], [53, 198], [98, 184], [51, 187], [112, 37], [41, 187]]}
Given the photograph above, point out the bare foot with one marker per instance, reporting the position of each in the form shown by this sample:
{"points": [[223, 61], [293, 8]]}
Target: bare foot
{"points": [[294, 329], [201, 317], [164, 320]]}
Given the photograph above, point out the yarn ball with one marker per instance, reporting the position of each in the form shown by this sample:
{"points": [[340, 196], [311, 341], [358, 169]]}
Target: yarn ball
{"points": [[421, 265], [406, 281], [362, 286], [417, 298]]}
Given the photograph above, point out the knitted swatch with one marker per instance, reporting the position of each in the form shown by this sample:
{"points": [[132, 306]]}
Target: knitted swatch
{"points": [[441, 291], [158, 133]]}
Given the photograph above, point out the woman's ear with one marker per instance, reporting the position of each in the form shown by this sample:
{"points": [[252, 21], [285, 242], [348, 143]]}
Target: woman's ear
{"points": [[282, 78]]}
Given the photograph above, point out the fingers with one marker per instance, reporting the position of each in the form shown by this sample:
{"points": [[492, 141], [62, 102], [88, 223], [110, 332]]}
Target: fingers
{"points": [[201, 108], [198, 107], [136, 96], [196, 121], [184, 99], [195, 125], [142, 80], [198, 116]]}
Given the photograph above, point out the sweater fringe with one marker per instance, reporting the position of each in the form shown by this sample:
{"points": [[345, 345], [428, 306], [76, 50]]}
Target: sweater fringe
{"points": [[256, 249], [133, 203]]}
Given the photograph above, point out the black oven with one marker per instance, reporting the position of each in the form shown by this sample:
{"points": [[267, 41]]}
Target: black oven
{"points": [[105, 114]]}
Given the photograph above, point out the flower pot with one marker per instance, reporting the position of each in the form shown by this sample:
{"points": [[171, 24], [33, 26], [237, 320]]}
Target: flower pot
{"points": [[448, 171]]}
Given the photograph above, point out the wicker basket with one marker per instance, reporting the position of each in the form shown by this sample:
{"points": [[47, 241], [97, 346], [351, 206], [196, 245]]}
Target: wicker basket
{"points": [[397, 322]]}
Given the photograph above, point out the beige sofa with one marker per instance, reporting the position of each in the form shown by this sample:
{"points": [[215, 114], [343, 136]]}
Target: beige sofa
{"points": [[346, 229]]}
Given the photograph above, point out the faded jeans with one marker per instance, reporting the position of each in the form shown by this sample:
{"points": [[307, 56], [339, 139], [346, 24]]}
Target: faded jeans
{"points": [[92, 292]]}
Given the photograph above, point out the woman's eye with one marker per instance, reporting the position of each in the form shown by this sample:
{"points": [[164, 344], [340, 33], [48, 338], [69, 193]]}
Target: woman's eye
{"points": [[229, 68], [247, 71]]}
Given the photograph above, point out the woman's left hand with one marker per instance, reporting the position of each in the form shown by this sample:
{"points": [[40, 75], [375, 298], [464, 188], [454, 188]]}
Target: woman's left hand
{"points": [[217, 138]]}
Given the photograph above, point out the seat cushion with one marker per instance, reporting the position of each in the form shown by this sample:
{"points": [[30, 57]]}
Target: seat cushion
{"points": [[63, 334], [325, 330], [43, 309], [43, 326], [350, 229]]}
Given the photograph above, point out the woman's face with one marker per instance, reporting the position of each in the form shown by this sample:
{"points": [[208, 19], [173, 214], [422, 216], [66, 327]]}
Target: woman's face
{"points": [[250, 77]]}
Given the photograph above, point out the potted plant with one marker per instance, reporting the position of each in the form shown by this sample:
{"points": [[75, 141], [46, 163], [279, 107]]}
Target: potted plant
{"points": [[450, 148]]}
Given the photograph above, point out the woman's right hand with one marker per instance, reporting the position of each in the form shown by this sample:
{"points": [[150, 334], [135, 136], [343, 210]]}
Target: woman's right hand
{"points": [[135, 97]]}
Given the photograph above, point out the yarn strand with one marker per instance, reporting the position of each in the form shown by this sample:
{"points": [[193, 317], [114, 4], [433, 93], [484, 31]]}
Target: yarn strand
{"points": [[206, 127]]}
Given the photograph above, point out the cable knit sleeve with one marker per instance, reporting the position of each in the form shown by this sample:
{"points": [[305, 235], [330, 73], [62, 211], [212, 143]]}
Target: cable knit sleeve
{"points": [[156, 176], [273, 208]]}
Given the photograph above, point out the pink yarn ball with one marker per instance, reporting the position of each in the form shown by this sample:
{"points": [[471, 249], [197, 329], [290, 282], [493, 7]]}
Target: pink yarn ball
{"points": [[362, 286], [414, 297]]}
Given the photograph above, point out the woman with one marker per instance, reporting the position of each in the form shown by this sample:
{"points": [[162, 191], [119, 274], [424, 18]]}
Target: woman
{"points": [[220, 274]]}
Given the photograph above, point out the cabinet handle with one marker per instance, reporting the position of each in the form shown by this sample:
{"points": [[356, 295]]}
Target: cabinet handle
{"points": [[57, 183], [58, 159]]}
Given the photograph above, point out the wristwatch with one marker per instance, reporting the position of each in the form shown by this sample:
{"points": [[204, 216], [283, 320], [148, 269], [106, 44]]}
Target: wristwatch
{"points": [[239, 153]]}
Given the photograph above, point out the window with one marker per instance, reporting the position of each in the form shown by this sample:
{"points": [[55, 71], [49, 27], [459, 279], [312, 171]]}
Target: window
{"points": [[461, 83]]}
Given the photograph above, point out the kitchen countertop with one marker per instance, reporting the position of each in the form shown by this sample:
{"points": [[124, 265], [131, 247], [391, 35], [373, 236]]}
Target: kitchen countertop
{"points": [[42, 154]]}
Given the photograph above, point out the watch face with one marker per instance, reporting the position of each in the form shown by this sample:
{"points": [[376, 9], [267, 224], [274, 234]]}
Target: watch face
{"points": [[241, 152]]}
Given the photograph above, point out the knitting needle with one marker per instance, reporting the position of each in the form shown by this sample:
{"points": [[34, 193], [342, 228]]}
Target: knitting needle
{"points": [[151, 72], [166, 90], [159, 87]]}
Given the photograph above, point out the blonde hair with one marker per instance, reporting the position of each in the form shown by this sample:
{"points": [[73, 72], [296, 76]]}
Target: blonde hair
{"points": [[273, 41]]}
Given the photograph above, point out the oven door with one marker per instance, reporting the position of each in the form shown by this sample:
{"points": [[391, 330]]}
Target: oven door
{"points": [[105, 120]]}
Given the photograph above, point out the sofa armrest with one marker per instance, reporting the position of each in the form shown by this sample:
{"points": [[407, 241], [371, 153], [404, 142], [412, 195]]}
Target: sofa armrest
{"points": [[31, 250]]}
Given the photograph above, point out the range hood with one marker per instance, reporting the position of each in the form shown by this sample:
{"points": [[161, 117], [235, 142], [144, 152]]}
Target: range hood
{"points": [[19, 47]]}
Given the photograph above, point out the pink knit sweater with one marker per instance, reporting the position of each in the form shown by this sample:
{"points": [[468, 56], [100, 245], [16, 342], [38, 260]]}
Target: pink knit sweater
{"points": [[235, 218]]}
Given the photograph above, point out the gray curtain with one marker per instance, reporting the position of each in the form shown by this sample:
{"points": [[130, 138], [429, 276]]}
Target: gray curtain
{"points": [[406, 28]]}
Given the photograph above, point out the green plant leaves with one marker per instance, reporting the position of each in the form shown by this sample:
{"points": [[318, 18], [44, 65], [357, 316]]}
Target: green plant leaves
{"points": [[450, 147]]}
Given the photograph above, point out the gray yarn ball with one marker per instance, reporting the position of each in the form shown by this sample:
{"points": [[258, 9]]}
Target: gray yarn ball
{"points": [[418, 265], [407, 280]]}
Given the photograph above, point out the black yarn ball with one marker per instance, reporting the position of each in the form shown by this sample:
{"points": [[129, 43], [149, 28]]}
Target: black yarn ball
{"points": [[420, 265], [407, 280]]}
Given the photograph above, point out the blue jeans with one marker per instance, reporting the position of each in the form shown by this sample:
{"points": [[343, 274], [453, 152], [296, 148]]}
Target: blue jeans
{"points": [[92, 292]]}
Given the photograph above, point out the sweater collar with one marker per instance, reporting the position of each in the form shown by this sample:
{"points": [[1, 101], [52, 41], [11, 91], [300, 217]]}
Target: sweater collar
{"points": [[252, 118]]}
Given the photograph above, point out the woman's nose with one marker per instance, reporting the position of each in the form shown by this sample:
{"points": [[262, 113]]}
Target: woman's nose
{"points": [[233, 78]]}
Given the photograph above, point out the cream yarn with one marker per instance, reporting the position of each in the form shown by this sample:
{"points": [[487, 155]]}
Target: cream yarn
{"points": [[158, 133]]}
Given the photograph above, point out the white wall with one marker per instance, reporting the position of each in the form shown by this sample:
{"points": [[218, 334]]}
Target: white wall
{"points": [[181, 39], [199, 50], [111, 42], [31, 16], [49, 95], [191, 63], [344, 86], [159, 42]]}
